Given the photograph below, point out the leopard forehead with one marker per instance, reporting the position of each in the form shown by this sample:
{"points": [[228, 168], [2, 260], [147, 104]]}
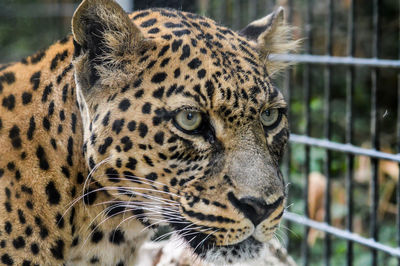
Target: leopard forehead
{"points": [[213, 63], [187, 59]]}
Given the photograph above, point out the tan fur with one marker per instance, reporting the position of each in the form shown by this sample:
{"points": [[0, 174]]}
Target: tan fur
{"points": [[107, 156], [278, 39]]}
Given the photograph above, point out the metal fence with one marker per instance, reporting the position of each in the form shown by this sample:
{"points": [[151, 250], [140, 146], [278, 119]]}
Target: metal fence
{"points": [[326, 60], [350, 62]]}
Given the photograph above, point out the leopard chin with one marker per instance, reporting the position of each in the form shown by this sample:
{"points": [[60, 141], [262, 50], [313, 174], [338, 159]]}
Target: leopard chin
{"points": [[243, 252], [204, 246]]}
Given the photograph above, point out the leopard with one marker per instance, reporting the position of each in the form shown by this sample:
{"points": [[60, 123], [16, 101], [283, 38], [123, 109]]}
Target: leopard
{"points": [[135, 121]]}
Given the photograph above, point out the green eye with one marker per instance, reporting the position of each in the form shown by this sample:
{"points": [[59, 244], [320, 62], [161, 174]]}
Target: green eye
{"points": [[188, 120], [269, 117]]}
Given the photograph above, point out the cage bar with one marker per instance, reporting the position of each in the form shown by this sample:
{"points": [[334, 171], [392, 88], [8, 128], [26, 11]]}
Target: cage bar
{"points": [[236, 21], [345, 148], [349, 130], [287, 88], [307, 100], [342, 234], [398, 145], [374, 197], [336, 60], [223, 10], [252, 10], [327, 132]]}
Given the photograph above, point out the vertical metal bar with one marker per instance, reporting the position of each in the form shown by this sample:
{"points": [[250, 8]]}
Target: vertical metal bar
{"points": [[252, 10], [270, 5], [374, 132], [374, 182], [287, 86], [236, 18], [398, 142], [349, 130], [211, 9], [220, 12], [223, 10], [306, 85], [327, 132]]}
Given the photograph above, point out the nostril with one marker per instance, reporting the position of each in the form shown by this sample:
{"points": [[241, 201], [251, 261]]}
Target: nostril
{"points": [[253, 208]]}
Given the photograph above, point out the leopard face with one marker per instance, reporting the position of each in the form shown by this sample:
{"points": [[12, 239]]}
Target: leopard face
{"points": [[182, 124]]}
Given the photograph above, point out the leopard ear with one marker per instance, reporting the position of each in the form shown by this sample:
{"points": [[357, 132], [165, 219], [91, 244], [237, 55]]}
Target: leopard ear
{"points": [[102, 32], [272, 36]]}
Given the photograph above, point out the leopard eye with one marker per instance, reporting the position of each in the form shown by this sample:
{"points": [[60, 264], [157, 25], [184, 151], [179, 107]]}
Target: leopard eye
{"points": [[269, 117], [188, 120]]}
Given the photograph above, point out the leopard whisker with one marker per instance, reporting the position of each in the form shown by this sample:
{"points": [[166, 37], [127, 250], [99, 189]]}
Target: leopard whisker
{"points": [[74, 201], [94, 169], [225, 239], [150, 209], [288, 229], [140, 179], [162, 200], [191, 238], [145, 180], [279, 239], [109, 217], [146, 196], [289, 206], [118, 188], [283, 236], [177, 231], [152, 190], [138, 203], [131, 207], [129, 191], [212, 233], [159, 221], [200, 228]]}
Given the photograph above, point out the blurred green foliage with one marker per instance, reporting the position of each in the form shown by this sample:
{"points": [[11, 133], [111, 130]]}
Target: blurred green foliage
{"points": [[27, 26]]}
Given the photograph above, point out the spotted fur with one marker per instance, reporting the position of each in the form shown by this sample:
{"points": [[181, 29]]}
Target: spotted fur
{"points": [[92, 157]]}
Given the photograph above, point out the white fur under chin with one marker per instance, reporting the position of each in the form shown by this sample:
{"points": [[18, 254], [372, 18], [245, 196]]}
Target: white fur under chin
{"points": [[175, 252], [247, 256]]}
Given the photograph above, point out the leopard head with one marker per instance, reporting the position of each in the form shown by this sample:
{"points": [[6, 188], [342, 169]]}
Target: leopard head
{"points": [[183, 124]]}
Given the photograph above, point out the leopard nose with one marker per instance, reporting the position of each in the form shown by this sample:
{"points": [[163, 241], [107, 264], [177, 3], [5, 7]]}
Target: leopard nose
{"points": [[255, 209]]}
